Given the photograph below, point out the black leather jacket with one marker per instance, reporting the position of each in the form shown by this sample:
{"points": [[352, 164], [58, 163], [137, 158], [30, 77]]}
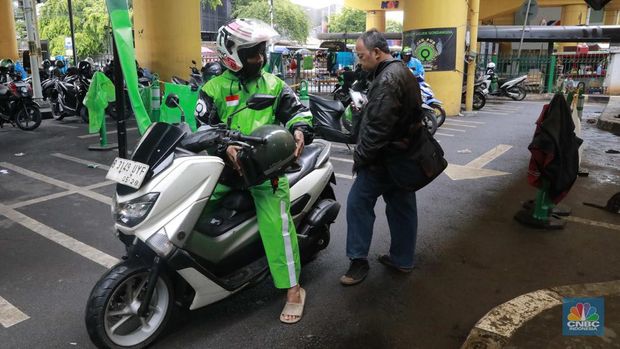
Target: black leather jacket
{"points": [[394, 106]]}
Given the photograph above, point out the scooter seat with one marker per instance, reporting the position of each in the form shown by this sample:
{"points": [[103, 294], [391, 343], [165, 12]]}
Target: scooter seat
{"points": [[328, 104], [305, 163]]}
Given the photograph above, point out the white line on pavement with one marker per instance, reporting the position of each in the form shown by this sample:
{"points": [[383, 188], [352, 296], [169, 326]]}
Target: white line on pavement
{"points": [[489, 156], [80, 161], [443, 134], [490, 112], [59, 195], [465, 121], [341, 159], [54, 124], [62, 239], [593, 223], [10, 315], [58, 183], [458, 125], [109, 133], [451, 129], [338, 175]]}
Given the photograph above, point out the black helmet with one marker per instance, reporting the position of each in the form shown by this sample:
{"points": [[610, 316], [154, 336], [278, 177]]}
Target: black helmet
{"points": [[84, 67], [268, 160], [211, 70], [59, 64]]}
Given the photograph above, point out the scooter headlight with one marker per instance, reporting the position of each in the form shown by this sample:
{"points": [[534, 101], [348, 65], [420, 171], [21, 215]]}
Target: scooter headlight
{"points": [[160, 243], [132, 212]]}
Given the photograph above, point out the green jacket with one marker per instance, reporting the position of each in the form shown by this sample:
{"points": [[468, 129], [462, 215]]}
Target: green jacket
{"points": [[225, 94]]}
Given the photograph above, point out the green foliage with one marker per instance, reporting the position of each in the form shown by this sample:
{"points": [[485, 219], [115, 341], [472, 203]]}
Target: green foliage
{"points": [[349, 20], [393, 26], [288, 19], [90, 22], [212, 3]]}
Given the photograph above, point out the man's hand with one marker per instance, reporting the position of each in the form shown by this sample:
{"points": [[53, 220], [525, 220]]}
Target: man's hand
{"points": [[232, 152], [299, 143]]}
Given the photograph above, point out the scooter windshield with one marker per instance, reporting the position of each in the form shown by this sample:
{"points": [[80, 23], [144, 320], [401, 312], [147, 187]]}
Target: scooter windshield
{"points": [[157, 143]]}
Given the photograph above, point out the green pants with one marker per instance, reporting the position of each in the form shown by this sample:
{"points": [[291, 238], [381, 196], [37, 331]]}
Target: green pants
{"points": [[276, 227]]}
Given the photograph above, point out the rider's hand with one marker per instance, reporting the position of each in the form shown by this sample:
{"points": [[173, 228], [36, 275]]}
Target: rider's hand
{"points": [[299, 143], [232, 152]]}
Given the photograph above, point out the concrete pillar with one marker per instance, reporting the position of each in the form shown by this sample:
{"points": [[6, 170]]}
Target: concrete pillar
{"points": [[447, 85], [612, 80], [167, 35], [375, 19], [8, 40], [573, 15], [611, 17]]}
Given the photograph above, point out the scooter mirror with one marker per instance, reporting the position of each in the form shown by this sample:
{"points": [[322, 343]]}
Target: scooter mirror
{"points": [[260, 101], [172, 101]]}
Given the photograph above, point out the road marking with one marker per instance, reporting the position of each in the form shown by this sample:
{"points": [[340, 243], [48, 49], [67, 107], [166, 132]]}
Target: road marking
{"points": [[80, 161], [490, 112], [59, 195], [489, 156], [10, 315], [465, 121], [62, 239], [109, 133], [593, 223], [443, 134], [54, 124], [58, 183], [452, 129], [474, 169], [338, 175], [458, 125], [341, 159]]}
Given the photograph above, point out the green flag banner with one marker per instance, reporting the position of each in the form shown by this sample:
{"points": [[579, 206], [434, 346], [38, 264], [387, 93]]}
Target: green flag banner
{"points": [[99, 94], [121, 28]]}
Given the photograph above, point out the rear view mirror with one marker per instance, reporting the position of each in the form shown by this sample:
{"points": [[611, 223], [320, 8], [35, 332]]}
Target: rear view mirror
{"points": [[260, 102], [172, 101]]}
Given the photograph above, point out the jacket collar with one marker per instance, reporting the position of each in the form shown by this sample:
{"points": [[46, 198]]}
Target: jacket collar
{"points": [[382, 66]]}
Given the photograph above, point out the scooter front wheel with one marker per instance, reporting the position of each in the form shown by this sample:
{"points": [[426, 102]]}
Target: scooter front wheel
{"points": [[112, 319], [429, 120], [28, 117]]}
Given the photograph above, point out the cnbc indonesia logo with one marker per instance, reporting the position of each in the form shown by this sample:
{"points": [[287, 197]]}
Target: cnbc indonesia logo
{"points": [[583, 318]]}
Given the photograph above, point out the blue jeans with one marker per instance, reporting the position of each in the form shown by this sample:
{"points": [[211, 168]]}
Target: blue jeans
{"points": [[400, 209]]}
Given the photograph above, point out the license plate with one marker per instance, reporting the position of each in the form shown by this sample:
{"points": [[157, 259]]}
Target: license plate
{"points": [[127, 172]]}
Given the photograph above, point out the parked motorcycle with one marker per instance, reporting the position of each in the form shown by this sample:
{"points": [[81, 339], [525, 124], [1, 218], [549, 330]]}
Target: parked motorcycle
{"points": [[68, 94], [176, 254], [428, 98], [199, 78], [513, 88], [480, 93], [17, 106]]}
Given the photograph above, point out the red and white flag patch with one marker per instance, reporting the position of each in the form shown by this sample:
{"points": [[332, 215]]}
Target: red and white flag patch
{"points": [[232, 101]]}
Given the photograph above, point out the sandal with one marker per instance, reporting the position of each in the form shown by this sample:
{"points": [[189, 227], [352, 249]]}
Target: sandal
{"points": [[294, 309]]}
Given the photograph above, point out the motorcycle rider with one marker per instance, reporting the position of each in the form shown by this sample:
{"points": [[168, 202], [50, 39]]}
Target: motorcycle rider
{"points": [[490, 72], [241, 45], [413, 63]]}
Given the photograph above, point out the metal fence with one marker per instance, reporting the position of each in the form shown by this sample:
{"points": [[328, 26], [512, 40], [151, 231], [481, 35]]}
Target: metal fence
{"points": [[545, 72]]}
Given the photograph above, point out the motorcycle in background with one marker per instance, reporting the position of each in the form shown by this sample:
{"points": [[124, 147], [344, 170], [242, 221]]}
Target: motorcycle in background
{"points": [[513, 88], [17, 106], [428, 98]]}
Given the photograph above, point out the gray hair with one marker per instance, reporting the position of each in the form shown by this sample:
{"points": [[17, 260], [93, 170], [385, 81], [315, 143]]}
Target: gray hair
{"points": [[374, 39]]}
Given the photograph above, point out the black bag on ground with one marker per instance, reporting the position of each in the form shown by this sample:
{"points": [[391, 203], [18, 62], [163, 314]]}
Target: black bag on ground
{"points": [[419, 165]]}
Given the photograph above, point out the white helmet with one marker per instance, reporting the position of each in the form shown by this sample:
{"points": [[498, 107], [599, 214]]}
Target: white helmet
{"points": [[239, 34], [491, 65]]}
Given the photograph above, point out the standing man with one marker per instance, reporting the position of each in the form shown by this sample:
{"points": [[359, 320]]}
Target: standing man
{"points": [[241, 45], [391, 118], [413, 63]]}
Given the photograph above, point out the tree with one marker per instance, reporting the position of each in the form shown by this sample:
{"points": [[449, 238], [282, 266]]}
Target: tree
{"points": [[349, 20], [288, 19], [393, 26], [212, 3], [90, 20]]}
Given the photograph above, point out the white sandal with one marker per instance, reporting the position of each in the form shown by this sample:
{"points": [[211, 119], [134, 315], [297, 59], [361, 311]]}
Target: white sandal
{"points": [[294, 309]]}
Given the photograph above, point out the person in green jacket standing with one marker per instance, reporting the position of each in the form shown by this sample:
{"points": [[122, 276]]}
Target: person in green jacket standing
{"points": [[241, 45]]}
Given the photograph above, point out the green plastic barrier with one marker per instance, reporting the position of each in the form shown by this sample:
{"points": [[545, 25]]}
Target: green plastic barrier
{"points": [[187, 101], [122, 30]]}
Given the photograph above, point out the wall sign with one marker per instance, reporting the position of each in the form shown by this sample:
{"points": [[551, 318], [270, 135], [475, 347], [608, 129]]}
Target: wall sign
{"points": [[435, 48]]}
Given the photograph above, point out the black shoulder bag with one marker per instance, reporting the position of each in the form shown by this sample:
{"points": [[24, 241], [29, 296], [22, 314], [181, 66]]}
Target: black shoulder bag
{"points": [[418, 165]]}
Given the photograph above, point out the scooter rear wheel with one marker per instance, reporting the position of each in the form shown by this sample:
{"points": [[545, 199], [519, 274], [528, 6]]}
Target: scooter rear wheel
{"points": [[440, 114], [520, 91], [429, 120], [112, 307]]}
